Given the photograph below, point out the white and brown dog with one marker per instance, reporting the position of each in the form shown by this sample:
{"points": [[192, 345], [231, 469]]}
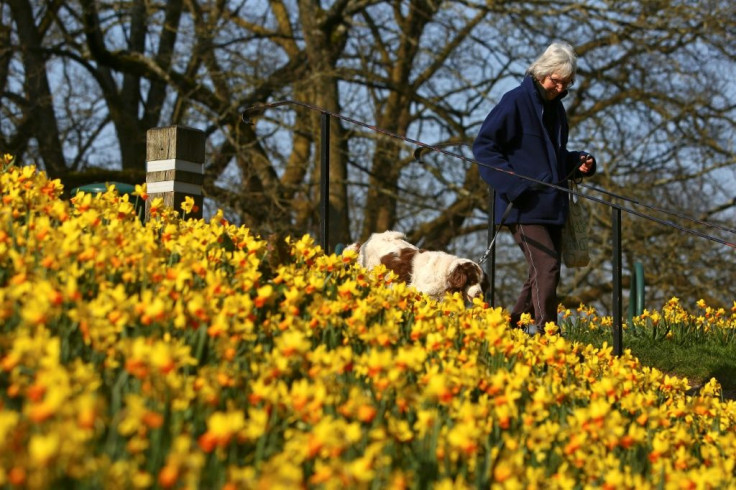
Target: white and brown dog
{"points": [[432, 272]]}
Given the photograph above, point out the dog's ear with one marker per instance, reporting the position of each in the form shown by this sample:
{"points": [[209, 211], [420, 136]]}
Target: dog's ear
{"points": [[458, 277]]}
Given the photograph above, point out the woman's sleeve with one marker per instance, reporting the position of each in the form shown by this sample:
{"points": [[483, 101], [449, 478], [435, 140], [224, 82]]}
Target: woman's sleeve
{"points": [[497, 131]]}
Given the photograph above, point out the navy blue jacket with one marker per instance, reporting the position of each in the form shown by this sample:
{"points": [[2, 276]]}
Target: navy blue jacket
{"points": [[513, 140]]}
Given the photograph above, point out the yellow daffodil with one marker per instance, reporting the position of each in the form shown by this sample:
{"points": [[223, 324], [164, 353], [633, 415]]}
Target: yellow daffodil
{"points": [[193, 353]]}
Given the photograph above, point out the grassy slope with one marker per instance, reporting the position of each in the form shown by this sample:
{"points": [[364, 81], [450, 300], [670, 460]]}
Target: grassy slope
{"points": [[696, 362]]}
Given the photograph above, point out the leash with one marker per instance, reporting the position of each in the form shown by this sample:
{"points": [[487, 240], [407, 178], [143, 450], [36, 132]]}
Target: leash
{"points": [[505, 215]]}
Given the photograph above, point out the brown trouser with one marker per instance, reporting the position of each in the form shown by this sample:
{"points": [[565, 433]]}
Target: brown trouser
{"points": [[541, 247]]}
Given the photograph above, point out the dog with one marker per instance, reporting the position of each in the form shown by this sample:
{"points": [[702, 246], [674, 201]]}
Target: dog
{"points": [[432, 272]]}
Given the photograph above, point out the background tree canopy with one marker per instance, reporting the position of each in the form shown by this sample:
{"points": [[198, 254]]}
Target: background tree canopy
{"points": [[82, 81]]}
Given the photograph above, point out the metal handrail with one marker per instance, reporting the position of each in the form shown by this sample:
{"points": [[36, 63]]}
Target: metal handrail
{"points": [[420, 151], [616, 209]]}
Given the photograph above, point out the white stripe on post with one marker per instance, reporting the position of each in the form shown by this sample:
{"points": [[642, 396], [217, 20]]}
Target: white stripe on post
{"points": [[173, 186], [174, 164]]}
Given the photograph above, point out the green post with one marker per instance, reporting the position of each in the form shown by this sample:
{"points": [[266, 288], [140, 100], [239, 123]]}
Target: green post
{"points": [[636, 291]]}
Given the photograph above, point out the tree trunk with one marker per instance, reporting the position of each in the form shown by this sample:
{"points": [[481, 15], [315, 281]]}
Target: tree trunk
{"points": [[39, 101]]}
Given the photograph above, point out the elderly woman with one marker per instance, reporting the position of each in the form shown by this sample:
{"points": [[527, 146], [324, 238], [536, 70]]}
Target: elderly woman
{"points": [[526, 134]]}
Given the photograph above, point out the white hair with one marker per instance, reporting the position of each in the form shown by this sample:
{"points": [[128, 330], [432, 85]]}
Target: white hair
{"points": [[559, 58]]}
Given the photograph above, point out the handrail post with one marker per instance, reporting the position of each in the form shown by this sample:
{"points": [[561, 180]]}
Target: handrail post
{"points": [[616, 271], [491, 267], [325, 182]]}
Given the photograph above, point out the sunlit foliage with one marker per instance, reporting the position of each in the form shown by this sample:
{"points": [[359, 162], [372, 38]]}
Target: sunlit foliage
{"points": [[191, 354]]}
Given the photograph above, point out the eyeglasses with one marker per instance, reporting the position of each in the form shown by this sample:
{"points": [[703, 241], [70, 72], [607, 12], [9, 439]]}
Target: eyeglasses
{"points": [[561, 82]]}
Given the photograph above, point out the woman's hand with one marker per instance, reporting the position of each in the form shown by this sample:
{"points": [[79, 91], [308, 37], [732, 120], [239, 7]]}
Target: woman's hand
{"points": [[586, 163]]}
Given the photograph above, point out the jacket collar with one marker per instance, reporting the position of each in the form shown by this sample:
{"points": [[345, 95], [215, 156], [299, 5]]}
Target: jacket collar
{"points": [[537, 91]]}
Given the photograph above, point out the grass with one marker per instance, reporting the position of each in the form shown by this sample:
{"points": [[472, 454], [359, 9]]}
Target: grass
{"points": [[696, 361]]}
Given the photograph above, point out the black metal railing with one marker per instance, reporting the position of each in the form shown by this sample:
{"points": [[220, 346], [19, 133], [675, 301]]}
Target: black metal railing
{"points": [[616, 208]]}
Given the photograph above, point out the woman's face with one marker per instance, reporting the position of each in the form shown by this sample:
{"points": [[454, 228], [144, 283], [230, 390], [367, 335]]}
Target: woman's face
{"points": [[555, 84]]}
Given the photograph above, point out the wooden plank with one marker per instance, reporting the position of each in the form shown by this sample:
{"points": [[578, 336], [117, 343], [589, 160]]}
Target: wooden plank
{"points": [[179, 142]]}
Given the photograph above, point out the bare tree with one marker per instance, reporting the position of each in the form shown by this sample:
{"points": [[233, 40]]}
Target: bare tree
{"points": [[83, 79], [38, 116]]}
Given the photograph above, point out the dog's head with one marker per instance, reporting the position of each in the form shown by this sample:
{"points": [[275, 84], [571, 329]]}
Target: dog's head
{"points": [[468, 278]]}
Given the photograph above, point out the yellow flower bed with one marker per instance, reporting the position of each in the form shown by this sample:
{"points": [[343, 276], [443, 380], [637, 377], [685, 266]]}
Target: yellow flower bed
{"points": [[189, 354]]}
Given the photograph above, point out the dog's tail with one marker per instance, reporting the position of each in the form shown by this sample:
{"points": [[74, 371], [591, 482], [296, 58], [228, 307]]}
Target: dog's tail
{"points": [[355, 247]]}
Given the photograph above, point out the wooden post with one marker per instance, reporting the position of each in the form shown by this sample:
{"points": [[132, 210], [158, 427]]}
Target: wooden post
{"points": [[175, 167]]}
